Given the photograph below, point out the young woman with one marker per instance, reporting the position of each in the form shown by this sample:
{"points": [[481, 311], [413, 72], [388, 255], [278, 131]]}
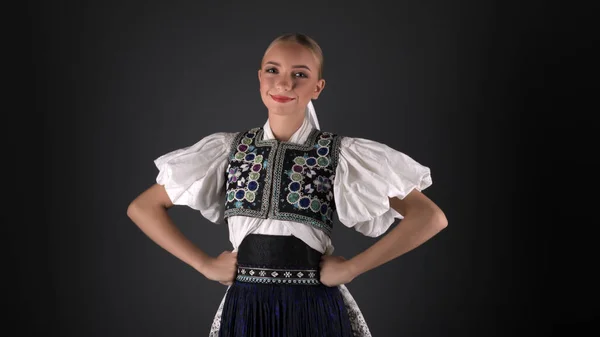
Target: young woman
{"points": [[277, 187]]}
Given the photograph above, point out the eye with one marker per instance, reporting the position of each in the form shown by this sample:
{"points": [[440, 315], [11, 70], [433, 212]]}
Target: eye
{"points": [[271, 70], [300, 74]]}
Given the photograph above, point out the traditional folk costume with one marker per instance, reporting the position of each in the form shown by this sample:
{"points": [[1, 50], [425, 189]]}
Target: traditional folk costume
{"points": [[278, 199]]}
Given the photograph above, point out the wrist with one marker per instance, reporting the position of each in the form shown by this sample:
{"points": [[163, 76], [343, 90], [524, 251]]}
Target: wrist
{"points": [[353, 268], [201, 263]]}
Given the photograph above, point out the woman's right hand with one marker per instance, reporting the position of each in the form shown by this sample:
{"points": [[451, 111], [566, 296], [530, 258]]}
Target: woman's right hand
{"points": [[223, 268]]}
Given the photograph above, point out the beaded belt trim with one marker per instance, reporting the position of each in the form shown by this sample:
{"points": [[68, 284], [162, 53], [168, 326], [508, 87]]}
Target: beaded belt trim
{"points": [[278, 276]]}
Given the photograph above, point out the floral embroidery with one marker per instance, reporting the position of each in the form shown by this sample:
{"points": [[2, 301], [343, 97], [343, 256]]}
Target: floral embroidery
{"points": [[280, 180], [244, 172], [311, 180], [323, 184], [234, 174]]}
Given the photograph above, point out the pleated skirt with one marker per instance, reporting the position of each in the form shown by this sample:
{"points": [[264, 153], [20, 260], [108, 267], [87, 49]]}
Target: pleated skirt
{"points": [[277, 293]]}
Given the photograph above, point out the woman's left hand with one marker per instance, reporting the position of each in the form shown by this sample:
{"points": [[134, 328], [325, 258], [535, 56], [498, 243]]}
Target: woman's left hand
{"points": [[335, 270]]}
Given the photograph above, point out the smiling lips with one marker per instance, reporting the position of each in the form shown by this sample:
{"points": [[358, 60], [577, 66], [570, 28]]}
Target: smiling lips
{"points": [[281, 99]]}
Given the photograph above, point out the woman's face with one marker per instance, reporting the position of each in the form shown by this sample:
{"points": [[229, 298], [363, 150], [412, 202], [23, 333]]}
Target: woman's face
{"points": [[289, 78]]}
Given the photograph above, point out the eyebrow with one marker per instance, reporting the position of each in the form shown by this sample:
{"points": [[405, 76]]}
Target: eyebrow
{"points": [[295, 66]]}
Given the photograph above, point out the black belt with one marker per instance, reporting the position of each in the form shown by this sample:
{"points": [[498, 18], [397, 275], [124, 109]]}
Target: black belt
{"points": [[276, 259]]}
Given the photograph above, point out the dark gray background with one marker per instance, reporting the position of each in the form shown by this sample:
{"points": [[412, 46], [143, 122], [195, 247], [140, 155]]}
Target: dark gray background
{"points": [[454, 84]]}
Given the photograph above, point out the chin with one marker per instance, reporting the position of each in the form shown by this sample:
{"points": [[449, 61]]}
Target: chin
{"points": [[278, 110]]}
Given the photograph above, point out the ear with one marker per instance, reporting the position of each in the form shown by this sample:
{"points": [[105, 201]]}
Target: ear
{"points": [[318, 88], [259, 74]]}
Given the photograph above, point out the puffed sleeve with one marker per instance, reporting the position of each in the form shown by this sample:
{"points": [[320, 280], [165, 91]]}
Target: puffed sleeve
{"points": [[194, 176], [369, 172]]}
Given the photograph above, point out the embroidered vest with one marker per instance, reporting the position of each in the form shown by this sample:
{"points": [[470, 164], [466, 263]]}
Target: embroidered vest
{"points": [[279, 180]]}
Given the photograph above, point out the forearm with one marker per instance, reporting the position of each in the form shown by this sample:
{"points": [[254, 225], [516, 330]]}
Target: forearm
{"points": [[414, 230], [155, 222]]}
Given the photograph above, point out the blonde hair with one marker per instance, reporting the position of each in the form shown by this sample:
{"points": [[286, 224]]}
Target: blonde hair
{"points": [[305, 41]]}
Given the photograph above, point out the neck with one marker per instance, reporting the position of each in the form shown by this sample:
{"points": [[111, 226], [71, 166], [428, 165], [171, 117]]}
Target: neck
{"points": [[284, 126]]}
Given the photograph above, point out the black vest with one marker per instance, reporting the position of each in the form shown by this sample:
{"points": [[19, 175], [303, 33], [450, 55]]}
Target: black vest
{"points": [[281, 180]]}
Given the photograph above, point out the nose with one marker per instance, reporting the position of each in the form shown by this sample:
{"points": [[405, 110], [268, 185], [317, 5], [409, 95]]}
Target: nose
{"points": [[284, 84]]}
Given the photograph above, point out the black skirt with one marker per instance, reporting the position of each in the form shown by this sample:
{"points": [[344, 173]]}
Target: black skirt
{"points": [[277, 293]]}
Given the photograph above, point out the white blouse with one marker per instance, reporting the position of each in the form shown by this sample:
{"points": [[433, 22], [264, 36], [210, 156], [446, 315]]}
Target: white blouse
{"points": [[368, 173]]}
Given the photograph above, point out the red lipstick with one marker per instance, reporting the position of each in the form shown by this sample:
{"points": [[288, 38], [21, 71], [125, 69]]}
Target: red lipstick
{"points": [[281, 99]]}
